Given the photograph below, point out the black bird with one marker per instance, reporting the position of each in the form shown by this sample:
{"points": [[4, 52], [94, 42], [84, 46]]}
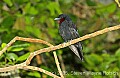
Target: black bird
{"points": [[68, 31]]}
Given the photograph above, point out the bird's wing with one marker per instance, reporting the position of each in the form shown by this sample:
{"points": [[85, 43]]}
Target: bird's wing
{"points": [[73, 30], [72, 25]]}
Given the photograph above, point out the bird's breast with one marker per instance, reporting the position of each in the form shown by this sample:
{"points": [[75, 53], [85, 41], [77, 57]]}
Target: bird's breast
{"points": [[65, 32]]}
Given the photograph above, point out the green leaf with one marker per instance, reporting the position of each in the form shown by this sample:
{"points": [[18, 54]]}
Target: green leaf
{"points": [[46, 68], [36, 31], [52, 32], [27, 8], [8, 22], [9, 2], [35, 74], [106, 9], [3, 45], [28, 20], [37, 0], [118, 63], [52, 22], [111, 60], [60, 52], [90, 2], [23, 57], [96, 58], [57, 8], [21, 45], [117, 54], [104, 66], [17, 48], [33, 11], [2, 30], [52, 7], [88, 60], [21, 1], [42, 19], [87, 50], [11, 56], [107, 62], [1, 56]]}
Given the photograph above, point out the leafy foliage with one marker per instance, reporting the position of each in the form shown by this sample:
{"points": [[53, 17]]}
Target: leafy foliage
{"points": [[35, 18]]}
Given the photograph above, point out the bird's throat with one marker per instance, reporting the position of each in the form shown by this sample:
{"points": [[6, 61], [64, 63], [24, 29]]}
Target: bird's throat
{"points": [[61, 20]]}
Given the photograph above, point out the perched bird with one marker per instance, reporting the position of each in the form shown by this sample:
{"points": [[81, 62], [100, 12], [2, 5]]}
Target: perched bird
{"points": [[68, 31]]}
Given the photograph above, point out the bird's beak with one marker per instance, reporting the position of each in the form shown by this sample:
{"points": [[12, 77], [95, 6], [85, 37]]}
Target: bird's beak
{"points": [[57, 19]]}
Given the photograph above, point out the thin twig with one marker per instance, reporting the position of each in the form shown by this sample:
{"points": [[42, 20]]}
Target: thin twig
{"points": [[23, 39], [40, 69], [62, 63], [57, 63], [8, 45], [10, 68]]}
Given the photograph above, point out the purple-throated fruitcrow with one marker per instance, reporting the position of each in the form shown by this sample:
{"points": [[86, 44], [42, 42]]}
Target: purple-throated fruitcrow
{"points": [[68, 31]]}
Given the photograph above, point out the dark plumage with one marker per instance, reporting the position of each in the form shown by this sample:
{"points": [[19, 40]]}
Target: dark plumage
{"points": [[68, 31]]}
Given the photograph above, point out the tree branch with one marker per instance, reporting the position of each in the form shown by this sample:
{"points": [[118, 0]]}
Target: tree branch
{"points": [[24, 66], [117, 1], [27, 62], [63, 45], [51, 48]]}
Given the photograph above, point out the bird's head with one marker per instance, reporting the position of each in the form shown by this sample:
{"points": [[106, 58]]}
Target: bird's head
{"points": [[62, 17]]}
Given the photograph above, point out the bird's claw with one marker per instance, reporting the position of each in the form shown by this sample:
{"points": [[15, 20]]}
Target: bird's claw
{"points": [[70, 41]]}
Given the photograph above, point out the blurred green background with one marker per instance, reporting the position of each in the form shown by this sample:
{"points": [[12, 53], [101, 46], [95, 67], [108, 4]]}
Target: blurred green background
{"points": [[35, 19]]}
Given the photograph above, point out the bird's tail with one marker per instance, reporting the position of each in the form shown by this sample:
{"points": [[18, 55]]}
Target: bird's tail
{"points": [[80, 53], [77, 49]]}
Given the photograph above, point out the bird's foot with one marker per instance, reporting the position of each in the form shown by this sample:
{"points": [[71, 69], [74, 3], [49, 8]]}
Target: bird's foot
{"points": [[70, 41], [64, 44]]}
